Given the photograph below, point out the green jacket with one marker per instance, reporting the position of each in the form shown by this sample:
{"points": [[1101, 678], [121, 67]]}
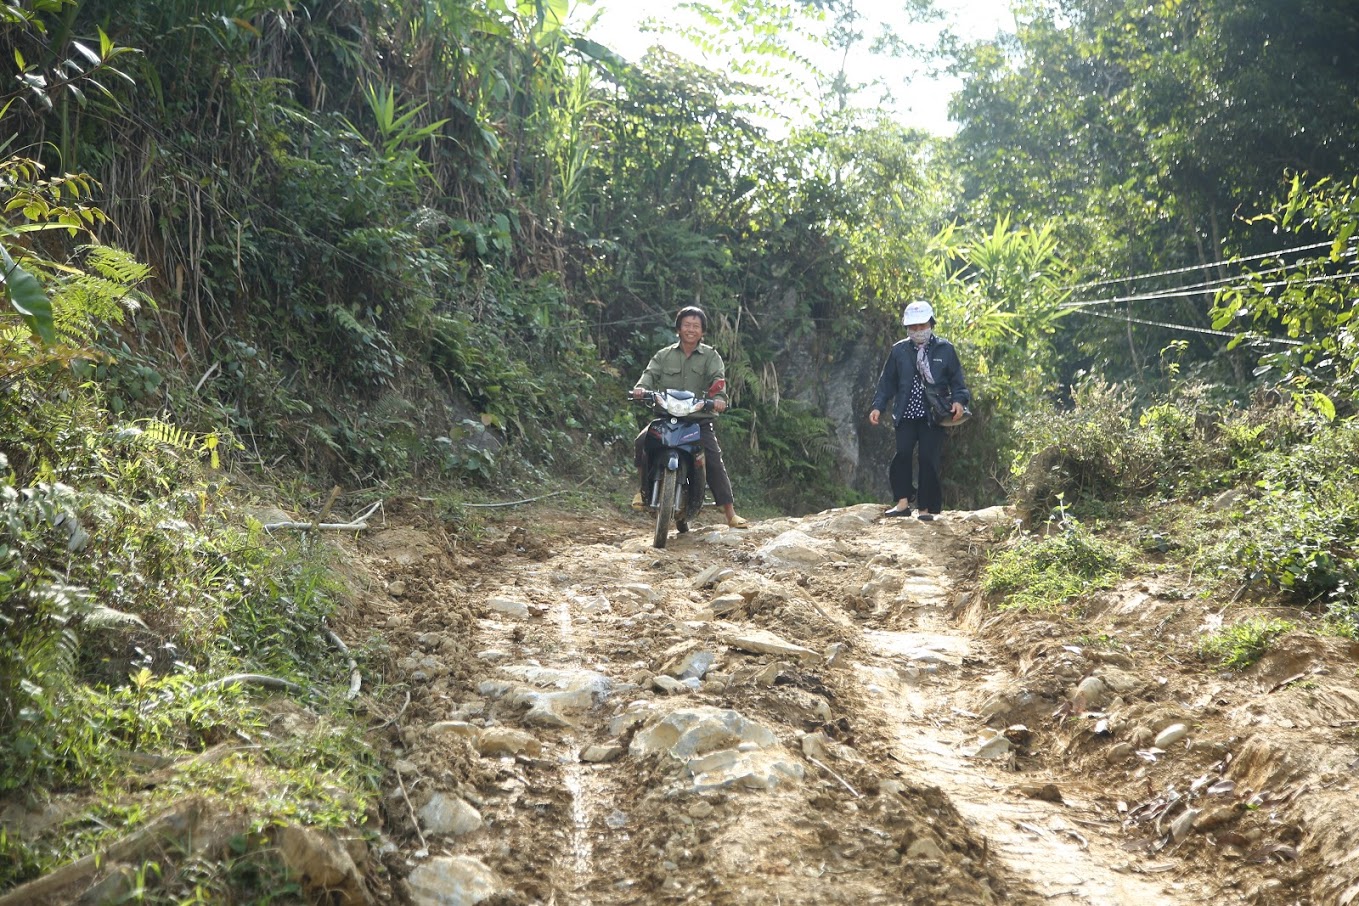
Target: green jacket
{"points": [[671, 369]]}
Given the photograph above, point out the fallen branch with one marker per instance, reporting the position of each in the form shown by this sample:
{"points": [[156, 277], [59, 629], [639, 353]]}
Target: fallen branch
{"points": [[170, 831], [360, 523], [853, 792], [1290, 681], [1239, 592], [355, 677], [414, 818], [402, 710], [487, 506], [207, 374], [325, 510], [252, 679]]}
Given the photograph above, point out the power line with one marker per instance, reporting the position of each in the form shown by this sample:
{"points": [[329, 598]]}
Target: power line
{"points": [[1186, 327], [1193, 290], [1207, 284], [1193, 267]]}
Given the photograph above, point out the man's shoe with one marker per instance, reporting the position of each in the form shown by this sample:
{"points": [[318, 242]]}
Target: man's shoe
{"points": [[637, 501], [926, 517], [737, 522], [681, 526]]}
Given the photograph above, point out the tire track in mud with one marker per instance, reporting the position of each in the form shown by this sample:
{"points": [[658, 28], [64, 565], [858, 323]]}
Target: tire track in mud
{"points": [[1057, 846], [850, 784]]}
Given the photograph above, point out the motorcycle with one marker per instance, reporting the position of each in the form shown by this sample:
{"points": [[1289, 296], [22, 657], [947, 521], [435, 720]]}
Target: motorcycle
{"points": [[676, 472]]}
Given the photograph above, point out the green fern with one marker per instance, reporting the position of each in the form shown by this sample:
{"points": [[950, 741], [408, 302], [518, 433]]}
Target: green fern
{"points": [[325, 437], [176, 437], [64, 304], [345, 318], [105, 293], [392, 408]]}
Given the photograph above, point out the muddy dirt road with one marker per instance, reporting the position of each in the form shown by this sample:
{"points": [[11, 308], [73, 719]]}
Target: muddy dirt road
{"points": [[823, 710]]}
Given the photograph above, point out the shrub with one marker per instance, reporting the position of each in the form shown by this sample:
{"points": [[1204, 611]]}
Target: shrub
{"points": [[1093, 452], [1240, 645], [1300, 531], [1045, 573]]}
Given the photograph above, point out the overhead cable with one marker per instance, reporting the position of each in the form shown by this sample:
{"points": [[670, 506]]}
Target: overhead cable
{"points": [[1188, 328], [1178, 291], [1186, 292], [1196, 267]]}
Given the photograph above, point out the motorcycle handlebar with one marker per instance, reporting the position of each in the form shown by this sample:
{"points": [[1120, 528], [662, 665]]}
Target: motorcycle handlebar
{"points": [[649, 397]]}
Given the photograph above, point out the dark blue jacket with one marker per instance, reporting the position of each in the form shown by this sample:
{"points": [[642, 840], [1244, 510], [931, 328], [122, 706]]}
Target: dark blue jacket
{"points": [[899, 372]]}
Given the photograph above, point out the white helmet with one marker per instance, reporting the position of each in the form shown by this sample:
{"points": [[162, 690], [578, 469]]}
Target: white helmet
{"points": [[918, 312]]}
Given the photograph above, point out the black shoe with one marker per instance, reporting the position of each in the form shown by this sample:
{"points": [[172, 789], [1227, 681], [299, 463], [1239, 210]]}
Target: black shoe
{"points": [[896, 512], [926, 517], [681, 526]]}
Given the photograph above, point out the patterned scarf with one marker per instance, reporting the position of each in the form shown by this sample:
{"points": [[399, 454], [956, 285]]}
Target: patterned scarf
{"points": [[922, 363]]}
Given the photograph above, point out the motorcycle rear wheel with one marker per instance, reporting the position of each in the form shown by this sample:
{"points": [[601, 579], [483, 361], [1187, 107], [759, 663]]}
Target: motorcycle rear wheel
{"points": [[665, 508]]}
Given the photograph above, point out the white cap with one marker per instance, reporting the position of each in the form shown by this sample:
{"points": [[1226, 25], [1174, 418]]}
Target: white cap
{"points": [[918, 312]]}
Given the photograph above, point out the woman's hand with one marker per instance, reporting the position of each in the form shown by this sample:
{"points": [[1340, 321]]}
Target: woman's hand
{"points": [[874, 417], [957, 409]]}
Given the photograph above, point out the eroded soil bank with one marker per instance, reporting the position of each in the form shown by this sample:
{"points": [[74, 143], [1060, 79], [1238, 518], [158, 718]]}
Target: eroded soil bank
{"points": [[823, 710]]}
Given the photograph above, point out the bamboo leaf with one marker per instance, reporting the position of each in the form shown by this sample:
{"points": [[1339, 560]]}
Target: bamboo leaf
{"points": [[85, 52]]}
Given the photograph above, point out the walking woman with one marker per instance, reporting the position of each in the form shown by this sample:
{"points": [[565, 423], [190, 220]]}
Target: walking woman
{"points": [[924, 375]]}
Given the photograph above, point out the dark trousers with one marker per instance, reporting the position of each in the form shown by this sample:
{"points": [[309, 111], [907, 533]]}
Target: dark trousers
{"points": [[912, 433], [712, 456]]}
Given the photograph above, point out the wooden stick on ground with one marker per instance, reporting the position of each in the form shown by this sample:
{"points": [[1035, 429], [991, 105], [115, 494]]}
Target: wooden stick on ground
{"points": [[487, 506], [842, 780], [325, 510], [360, 522], [415, 819], [355, 677], [253, 679], [170, 831]]}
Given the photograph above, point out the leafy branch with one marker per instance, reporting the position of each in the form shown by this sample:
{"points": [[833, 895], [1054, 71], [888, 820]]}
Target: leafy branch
{"points": [[77, 70]]}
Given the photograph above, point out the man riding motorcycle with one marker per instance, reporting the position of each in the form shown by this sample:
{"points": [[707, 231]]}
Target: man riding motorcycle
{"points": [[691, 365]]}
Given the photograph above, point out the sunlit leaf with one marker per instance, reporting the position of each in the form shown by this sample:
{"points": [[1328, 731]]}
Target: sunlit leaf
{"points": [[27, 298]]}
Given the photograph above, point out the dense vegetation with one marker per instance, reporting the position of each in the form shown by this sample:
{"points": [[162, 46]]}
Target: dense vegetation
{"points": [[428, 243]]}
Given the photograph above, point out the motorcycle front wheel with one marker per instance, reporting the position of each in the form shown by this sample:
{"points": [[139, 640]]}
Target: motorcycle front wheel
{"points": [[665, 509]]}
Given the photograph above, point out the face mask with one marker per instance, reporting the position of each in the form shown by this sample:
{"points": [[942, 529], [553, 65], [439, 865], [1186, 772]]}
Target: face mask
{"points": [[920, 337]]}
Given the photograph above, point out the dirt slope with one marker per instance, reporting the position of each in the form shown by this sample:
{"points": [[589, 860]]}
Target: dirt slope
{"points": [[822, 710]]}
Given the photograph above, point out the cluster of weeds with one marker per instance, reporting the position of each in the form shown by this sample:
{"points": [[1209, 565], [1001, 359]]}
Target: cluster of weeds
{"points": [[1044, 573], [1284, 512], [1102, 641], [1238, 646], [1108, 450]]}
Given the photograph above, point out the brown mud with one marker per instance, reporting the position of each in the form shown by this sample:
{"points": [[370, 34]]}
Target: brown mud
{"points": [[825, 710]]}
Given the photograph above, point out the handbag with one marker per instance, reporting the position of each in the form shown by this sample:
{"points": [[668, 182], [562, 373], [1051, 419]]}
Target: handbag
{"points": [[938, 407]]}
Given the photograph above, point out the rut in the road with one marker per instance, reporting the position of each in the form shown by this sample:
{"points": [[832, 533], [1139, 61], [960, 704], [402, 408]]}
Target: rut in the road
{"points": [[745, 717]]}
